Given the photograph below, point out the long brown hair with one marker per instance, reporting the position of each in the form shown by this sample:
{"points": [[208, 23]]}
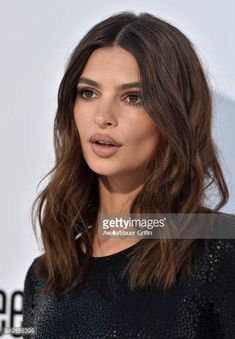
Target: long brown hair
{"points": [[176, 95]]}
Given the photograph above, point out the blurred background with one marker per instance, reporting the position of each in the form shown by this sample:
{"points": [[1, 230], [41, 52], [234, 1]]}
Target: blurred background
{"points": [[36, 38]]}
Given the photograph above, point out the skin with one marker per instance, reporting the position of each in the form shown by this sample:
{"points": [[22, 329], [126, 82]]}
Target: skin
{"points": [[111, 111]]}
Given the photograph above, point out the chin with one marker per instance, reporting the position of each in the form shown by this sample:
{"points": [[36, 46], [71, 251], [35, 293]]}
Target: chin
{"points": [[103, 169]]}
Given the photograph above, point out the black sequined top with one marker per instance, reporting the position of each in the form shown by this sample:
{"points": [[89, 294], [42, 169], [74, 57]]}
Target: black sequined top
{"points": [[103, 306]]}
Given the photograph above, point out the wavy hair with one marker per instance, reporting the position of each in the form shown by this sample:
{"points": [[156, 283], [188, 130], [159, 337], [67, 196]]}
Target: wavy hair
{"points": [[177, 97]]}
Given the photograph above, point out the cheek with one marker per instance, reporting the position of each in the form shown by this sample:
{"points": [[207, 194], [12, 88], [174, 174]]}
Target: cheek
{"points": [[144, 135], [80, 121]]}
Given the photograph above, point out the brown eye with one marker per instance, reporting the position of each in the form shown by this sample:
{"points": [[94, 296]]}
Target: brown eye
{"points": [[85, 93], [134, 99]]}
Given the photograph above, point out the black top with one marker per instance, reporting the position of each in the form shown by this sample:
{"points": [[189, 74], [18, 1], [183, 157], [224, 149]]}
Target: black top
{"points": [[103, 306]]}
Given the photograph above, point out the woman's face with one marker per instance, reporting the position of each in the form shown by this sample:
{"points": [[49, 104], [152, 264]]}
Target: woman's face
{"points": [[103, 107]]}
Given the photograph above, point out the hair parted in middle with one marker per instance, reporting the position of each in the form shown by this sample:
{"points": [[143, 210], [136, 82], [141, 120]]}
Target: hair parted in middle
{"points": [[177, 97]]}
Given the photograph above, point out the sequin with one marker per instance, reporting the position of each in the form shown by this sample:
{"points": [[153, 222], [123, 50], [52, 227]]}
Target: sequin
{"points": [[103, 306]]}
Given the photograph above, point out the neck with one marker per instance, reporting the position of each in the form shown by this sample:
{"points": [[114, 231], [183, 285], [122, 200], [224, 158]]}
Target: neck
{"points": [[116, 195]]}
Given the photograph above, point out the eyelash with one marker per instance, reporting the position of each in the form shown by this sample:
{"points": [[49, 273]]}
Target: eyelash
{"points": [[80, 92]]}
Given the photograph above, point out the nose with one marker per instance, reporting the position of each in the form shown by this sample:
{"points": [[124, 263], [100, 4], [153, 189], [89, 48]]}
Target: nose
{"points": [[105, 113]]}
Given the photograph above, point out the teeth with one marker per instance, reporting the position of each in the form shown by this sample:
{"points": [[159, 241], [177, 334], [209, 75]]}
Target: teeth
{"points": [[102, 142], [105, 143]]}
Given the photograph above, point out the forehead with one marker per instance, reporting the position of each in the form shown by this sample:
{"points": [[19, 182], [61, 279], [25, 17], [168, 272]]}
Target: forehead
{"points": [[111, 62]]}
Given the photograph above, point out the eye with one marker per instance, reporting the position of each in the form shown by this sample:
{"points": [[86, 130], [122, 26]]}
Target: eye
{"points": [[134, 99], [85, 93]]}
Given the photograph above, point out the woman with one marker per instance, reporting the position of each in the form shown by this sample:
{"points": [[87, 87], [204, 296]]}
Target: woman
{"points": [[135, 83]]}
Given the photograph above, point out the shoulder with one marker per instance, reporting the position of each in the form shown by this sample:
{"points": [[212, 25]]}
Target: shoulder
{"points": [[32, 267], [221, 256], [32, 281], [219, 253], [215, 273], [220, 291], [222, 247], [31, 290], [215, 265]]}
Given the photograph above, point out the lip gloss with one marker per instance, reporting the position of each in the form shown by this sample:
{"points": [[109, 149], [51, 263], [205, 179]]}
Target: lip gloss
{"points": [[104, 151]]}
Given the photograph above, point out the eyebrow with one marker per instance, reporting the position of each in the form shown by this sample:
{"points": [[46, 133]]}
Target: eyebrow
{"points": [[119, 87]]}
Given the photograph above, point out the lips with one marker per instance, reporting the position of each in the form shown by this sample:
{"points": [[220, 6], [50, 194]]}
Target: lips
{"points": [[104, 139]]}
